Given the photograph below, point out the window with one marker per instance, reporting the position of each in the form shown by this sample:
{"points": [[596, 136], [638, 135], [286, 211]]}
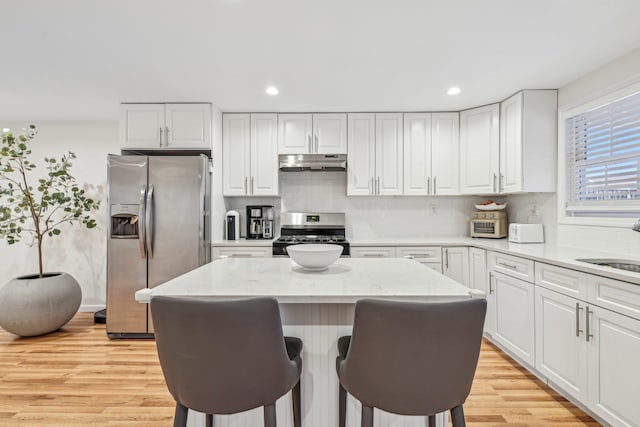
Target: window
{"points": [[603, 159]]}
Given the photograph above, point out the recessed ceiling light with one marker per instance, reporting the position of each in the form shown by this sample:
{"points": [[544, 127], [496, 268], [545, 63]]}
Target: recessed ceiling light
{"points": [[272, 90], [453, 91]]}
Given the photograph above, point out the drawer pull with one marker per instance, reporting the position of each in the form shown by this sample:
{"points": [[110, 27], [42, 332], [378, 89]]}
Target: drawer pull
{"points": [[508, 265], [589, 334], [373, 255], [578, 330]]}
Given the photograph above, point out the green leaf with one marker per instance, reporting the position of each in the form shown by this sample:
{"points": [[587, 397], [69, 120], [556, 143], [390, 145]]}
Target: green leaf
{"points": [[56, 231]]}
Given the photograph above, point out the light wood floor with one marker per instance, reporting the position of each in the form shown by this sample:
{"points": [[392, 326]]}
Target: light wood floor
{"points": [[77, 376]]}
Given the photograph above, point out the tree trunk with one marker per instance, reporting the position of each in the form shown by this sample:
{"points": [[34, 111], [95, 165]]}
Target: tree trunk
{"points": [[40, 257]]}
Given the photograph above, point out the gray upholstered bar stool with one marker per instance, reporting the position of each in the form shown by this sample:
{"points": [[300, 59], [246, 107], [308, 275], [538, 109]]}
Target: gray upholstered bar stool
{"points": [[225, 357], [411, 358]]}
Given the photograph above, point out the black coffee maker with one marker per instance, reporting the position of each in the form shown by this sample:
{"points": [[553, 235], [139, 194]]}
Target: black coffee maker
{"points": [[260, 222]]}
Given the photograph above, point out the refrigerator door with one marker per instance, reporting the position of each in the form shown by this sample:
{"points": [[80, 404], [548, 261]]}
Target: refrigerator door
{"points": [[126, 254], [178, 215]]}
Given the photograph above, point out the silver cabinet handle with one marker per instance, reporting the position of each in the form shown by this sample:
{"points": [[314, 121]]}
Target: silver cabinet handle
{"points": [[316, 137], [378, 185], [428, 185], [253, 189], [588, 327], [149, 222], [490, 283], [310, 147], [494, 182], [373, 255], [501, 189], [372, 189], [141, 226], [434, 185], [578, 308], [166, 136], [161, 133], [502, 264], [408, 256], [446, 259], [245, 185]]}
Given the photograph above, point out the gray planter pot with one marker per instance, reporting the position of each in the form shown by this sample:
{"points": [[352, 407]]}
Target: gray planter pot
{"points": [[31, 306]]}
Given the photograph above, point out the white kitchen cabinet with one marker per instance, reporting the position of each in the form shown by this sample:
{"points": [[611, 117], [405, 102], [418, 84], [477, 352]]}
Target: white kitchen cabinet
{"points": [[165, 126], [374, 147], [320, 133], [241, 252], [528, 142], [614, 371], [514, 315], [249, 155], [561, 347], [373, 252], [478, 278], [429, 256], [431, 154], [479, 150], [456, 264]]}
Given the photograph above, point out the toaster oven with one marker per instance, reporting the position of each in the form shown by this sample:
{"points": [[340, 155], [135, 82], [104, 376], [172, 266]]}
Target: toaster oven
{"points": [[491, 224]]}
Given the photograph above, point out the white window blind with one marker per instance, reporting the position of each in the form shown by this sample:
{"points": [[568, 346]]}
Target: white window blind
{"points": [[603, 158]]}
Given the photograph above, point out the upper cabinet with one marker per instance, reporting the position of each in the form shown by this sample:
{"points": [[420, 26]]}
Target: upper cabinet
{"points": [[375, 165], [431, 154], [479, 149], [250, 155], [321, 133], [510, 147], [165, 126]]}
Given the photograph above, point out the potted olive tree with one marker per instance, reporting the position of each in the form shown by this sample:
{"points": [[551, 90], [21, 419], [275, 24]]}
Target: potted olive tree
{"points": [[39, 303]]}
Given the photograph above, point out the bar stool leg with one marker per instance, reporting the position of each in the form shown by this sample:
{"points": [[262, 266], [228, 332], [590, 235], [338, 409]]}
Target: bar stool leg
{"points": [[342, 407], [180, 417], [432, 421], [367, 416], [270, 415], [297, 405], [457, 416], [209, 420]]}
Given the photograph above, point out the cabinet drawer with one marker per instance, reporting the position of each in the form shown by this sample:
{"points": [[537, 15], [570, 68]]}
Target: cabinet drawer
{"points": [[243, 252], [421, 253], [568, 282], [373, 252], [621, 297], [513, 266]]}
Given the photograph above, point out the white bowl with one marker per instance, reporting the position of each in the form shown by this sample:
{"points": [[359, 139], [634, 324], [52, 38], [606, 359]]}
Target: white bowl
{"points": [[314, 256], [491, 207]]}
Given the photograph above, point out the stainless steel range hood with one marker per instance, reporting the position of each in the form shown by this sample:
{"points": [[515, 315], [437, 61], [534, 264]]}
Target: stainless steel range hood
{"points": [[312, 162]]}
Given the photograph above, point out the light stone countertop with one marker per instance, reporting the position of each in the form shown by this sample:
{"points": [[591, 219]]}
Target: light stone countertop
{"points": [[346, 281]]}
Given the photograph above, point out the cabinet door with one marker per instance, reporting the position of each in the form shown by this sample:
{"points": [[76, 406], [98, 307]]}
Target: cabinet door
{"points": [[417, 154], [294, 133], [445, 156], [361, 154], [510, 179], [330, 133], [264, 155], [456, 264], [235, 154], [188, 126], [478, 269], [514, 316], [389, 142], [141, 125], [479, 150], [614, 371], [561, 351]]}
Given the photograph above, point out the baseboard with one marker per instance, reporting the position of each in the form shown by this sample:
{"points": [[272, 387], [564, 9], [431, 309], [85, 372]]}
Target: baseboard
{"points": [[91, 308]]}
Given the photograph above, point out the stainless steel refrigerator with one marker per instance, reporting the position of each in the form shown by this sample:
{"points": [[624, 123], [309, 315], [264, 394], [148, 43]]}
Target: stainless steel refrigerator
{"points": [[158, 229]]}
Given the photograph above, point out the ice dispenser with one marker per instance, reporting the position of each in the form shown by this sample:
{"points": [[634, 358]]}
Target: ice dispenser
{"points": [[124, 221]]}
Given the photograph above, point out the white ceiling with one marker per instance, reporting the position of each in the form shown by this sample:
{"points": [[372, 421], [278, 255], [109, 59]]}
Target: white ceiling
{"points": [[78, 59]]}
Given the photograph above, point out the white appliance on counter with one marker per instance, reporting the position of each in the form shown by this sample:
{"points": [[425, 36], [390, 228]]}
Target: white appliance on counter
{"points": [[526, 233]]}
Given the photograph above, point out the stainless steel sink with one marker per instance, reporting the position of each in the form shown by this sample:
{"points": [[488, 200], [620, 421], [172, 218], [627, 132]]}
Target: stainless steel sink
{"points": [[620, 264]]}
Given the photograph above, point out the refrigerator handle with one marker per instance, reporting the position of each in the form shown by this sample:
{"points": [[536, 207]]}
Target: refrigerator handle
{"points": [[141, 222], [148, 222]]}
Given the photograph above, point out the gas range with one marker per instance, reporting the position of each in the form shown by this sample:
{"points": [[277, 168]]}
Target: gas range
{"points": [[311, 227]]}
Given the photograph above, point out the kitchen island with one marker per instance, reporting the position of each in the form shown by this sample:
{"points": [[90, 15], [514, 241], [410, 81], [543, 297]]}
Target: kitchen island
{"points": [[318, 308]]}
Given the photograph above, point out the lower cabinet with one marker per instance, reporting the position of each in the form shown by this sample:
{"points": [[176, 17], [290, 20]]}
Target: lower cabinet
{"points": [[591, 353], [456, 264], [513, 315], [242, 252], [478, 278], [429, 256], [373, 252]]}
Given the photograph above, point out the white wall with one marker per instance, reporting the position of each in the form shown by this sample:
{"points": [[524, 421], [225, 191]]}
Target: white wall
{"points": [[78, 251], [611, 77]]}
